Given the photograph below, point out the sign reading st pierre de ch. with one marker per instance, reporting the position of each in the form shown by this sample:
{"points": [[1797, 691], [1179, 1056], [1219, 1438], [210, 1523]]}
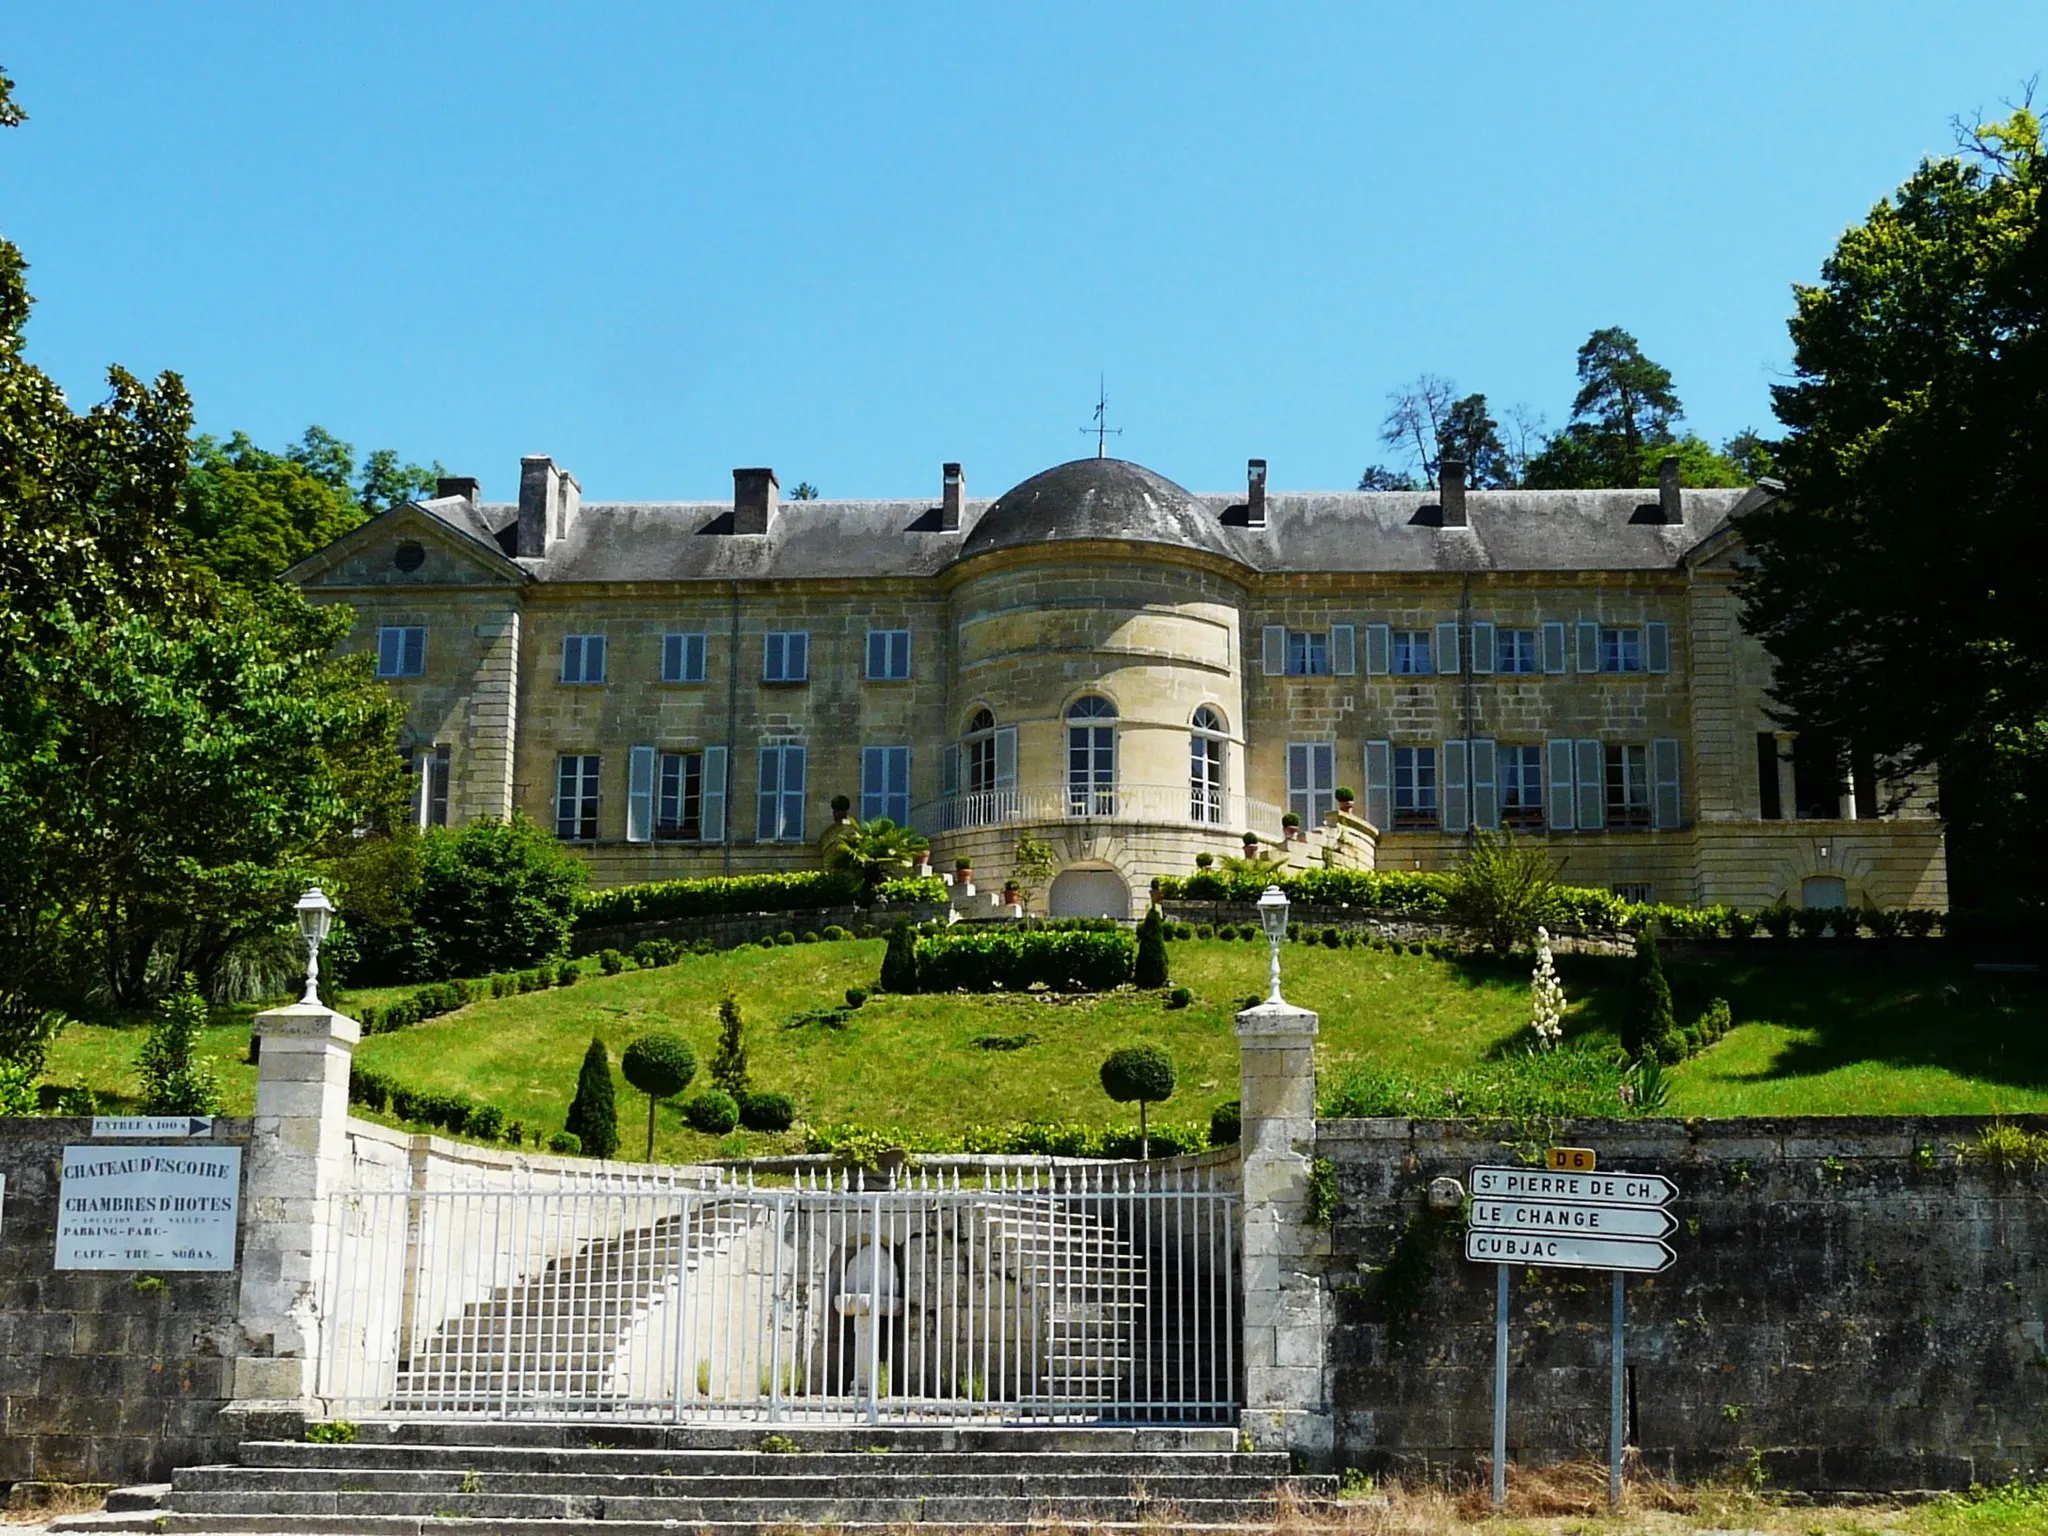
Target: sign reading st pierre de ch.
{"points": [[167, 1208]]}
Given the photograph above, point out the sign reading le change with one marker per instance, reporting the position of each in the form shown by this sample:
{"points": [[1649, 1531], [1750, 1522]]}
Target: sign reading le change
{"points": [[149, 1207]]}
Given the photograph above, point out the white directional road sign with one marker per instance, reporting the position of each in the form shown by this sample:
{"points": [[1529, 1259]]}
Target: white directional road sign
{"points": [[1551, 1216], [1638, 1189], [1567, 1252]]}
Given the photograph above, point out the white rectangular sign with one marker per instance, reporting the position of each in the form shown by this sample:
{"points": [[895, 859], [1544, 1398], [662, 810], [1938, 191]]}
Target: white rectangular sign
{"points": [[152, 1125], [1589, 1220], [149, 1207], [1581, 1188], [1571, 1252]]}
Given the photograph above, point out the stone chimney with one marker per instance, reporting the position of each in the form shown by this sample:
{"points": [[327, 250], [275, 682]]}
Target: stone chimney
{"points": [[1450, 489], [952, 494], [1255, 493], [756, 495], [548, 501], [1669, 501], [468, 487]]}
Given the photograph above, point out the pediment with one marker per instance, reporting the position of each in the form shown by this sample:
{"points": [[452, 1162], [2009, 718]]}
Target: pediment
{"points": [[407, 546]]}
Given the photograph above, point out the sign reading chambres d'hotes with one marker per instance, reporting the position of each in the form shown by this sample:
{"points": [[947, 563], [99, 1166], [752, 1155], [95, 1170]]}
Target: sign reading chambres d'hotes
{"points": [[149, 1207]]}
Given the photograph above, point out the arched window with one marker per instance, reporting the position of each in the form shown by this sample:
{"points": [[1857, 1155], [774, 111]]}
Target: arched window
{"points": [[1091, 757], [1205, 767], [989, 755]]}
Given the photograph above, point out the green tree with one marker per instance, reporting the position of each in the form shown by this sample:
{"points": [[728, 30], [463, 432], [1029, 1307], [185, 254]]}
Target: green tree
{"points": [[899, 961], [593, 1116], [1648, 1026], [729, 1061], [1378, 477], [1032, 864], [660, 1065], [1469, 433], [1140, 1073], [176, 1079], [1898, 584], [492, 896], [1621, 427], [1623, 393], [1151, 965]]}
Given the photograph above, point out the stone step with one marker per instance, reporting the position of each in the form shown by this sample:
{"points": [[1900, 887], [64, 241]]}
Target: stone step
{"points": [[137, 1496], [878, 1478], [852, 1504], [456, 1460], [580, 1434], [175, 1524]]}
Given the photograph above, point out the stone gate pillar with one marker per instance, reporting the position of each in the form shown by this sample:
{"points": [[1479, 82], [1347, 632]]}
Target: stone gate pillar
{"points": [[298, 1156], [1287, 1394]]}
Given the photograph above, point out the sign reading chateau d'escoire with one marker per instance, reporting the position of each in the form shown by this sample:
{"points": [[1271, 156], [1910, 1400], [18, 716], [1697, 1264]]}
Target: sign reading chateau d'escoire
{"points": [[149, 1207]]}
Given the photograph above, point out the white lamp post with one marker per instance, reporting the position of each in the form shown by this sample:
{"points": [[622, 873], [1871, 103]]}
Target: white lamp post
{"points": [[1273, 917], [316, 915]]}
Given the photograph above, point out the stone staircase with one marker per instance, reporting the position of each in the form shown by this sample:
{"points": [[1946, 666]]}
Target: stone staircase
{"points": [[599, 1479]]}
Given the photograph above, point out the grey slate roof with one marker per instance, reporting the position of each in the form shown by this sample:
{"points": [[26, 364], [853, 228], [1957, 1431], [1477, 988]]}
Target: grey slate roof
{"points": [[1334, 531]]}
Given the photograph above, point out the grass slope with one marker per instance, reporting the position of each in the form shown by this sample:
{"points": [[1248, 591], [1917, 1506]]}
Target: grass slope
{"points": [[1818, 1039]]}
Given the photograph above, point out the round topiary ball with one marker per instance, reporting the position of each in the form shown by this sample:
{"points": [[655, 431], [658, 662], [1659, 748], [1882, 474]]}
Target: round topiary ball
{"points": [[768, 1110], [565, 1141], [714, 1112], [1142, 1073], [660, 1065]]}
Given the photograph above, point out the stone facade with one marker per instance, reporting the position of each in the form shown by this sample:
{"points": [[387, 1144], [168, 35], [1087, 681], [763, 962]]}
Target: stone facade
{"points": [[1398, 645]]}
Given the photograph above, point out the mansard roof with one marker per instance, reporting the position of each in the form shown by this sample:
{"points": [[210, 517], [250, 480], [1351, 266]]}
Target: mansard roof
{"points": [[1095, 500]]}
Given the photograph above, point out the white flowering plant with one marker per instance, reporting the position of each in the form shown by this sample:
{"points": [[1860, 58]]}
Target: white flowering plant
{"points": [[1546, 997]]}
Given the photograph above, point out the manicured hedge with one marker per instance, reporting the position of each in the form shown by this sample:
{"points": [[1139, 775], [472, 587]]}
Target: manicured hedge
{"points": [[716, 896], [928, 890], [1036, 1138], [1011, 960]]}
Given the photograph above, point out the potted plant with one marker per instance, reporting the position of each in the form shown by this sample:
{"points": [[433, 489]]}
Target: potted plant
{"points": [[924, 863], [1346, 798], [1251, 845], [1205, 860], [1291, 823], [1013, 894], [842, 808], [963, 868]]}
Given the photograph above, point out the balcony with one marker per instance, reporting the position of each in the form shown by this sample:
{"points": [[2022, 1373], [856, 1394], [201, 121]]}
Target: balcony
{"points": [[1157, 805]]}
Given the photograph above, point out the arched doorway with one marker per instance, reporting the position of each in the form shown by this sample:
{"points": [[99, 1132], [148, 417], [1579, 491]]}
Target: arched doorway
{"points": [[1090, 893]]}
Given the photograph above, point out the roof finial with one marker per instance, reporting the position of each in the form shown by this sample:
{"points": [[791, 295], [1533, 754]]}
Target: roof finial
{"points": [[1102, 429]]}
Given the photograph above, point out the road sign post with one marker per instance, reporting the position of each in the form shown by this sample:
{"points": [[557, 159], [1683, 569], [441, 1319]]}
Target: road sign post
{"points": [[1567, 1216]]}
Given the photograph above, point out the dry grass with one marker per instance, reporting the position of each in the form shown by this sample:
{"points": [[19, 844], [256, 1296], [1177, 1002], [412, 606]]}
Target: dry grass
{"points": [[36, 1504]]}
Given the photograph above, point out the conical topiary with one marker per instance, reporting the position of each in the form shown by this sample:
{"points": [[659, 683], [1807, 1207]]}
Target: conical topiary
{"points": [[1648, 1027], [899, 961], [1151, 969], [593, 1117]]}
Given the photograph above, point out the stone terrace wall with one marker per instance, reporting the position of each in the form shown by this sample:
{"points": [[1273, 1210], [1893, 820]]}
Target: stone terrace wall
{"points": [[102, 1381], [1852, 1308]]}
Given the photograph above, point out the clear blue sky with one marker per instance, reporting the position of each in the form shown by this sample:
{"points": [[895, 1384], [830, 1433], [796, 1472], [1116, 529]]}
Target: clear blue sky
{"points": [[852, 240]]}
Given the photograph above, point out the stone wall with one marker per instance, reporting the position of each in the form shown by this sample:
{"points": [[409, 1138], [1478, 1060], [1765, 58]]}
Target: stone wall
{"points": [[103, 1379], [1852, 1307]]}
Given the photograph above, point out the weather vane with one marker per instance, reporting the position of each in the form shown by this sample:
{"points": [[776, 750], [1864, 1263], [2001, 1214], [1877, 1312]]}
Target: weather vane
{"points": [[1102, 429]]}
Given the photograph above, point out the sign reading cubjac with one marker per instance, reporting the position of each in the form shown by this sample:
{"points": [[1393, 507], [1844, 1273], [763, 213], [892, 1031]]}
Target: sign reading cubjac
{"points": [[149, 1207]]}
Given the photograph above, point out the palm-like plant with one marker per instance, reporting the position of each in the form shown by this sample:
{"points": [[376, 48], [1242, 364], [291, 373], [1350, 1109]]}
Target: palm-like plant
{"points": [[1257, 865], [877, 850]]}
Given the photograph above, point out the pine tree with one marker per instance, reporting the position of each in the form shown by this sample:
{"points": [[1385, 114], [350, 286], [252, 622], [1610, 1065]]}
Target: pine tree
{"points": [[1151, 970], [729, 1061], [1648, 1027], [899, 961], [593, 1118]]}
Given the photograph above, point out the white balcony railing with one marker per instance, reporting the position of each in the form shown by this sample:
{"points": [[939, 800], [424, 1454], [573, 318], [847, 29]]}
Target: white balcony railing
{"points": [[1174, 805]]}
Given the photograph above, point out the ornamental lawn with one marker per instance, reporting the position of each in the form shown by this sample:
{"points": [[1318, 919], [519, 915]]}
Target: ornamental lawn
{"points": [[1809, 1039]]}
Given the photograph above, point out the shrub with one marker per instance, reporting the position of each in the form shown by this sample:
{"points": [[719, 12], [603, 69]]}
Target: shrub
{"points": [[1205, 860], [1226, 1124], [176, 1080], [1331, 939], [660, 1065], [1709, 1027], [899, 961], [610, 961], [1502, 892], [913, 891], [1351, 938], [1813, 922], [785, 937], [504, 984], [714, 1112], [593, 1117], [1143, 1073], [1882, 924], [834, 933], [1183, 930], [1179, 997], [767, 1110], [1226, 930], [652, 954], [1150, 968], [729, 1061], [515, 1133], [568, 973], [1741, 925], [1776, 920], [1918, 922], [855, 996], [1648, 1030], [486, 1122], [1204, 931], [808, 936], [1065, 960], [492, 895], [566, 1142], [715, 896]]}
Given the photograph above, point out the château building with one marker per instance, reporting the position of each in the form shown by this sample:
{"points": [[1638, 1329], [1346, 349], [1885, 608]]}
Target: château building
{"points": [[1129, 671]]}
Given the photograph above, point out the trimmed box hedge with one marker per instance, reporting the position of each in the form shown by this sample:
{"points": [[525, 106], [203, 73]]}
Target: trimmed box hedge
{"points": [[1013, 960], [715, 896]]}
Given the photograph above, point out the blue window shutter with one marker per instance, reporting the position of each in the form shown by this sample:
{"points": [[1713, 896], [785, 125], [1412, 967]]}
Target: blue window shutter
{"points": [[1482, 646], [797, 656], [593, 658], [712, 812], [1563, 784], [1457, 806], [1592, 761], [1485, 786], [1589, 646], [1379, 649], [1379, 784], [874, 770], [671, 658], [1666, 806], [1553, 649], [1447, 647], [1343, 650], [640, 796], [1657, 646], [1273, 649], [415, 659]]}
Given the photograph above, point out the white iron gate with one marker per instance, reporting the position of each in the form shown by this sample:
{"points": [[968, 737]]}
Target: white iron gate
{"points": [[1078, 1292]]}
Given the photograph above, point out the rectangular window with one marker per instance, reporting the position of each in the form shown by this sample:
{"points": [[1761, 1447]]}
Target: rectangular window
{"points": [[885, 784], [888, 655], [779, 812], [1516, 652], [1621, 650], [786, 656], [1521, 786], [1628, 786], [576, 797], [679, 797], [401, 650], [583, 658], [1308, 653], [1415, 801], [682, 658], [1412, 652], [1637, 891]]}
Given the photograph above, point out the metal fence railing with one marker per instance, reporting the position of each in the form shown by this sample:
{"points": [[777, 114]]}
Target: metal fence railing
{"points": [[1095, 1292]]}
